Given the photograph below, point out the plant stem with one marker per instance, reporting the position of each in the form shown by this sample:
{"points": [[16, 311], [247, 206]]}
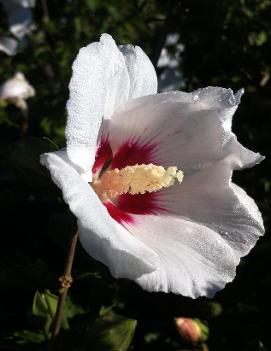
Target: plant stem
{"points": [[66, 281]]}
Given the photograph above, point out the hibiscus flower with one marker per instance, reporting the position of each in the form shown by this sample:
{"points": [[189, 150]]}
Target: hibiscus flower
{"points": [[148, 175]]}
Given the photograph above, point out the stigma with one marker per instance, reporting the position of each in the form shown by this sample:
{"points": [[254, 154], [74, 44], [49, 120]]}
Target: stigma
{"points": [[137, 179]]}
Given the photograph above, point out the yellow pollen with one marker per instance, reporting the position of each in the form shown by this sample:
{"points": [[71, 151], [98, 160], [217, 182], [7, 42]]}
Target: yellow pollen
{"points": [[137, 179]]}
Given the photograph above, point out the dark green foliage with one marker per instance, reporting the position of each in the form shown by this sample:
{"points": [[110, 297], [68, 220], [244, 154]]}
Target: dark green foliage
{"points": [[227, 43], [110, 332]]}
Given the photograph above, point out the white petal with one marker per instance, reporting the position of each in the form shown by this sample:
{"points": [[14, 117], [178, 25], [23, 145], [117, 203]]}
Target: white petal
{"points": [[143, 79], [99, 84], [210, 198], [9, 46], [186, 130], [101, 236], [16, 87], [194, 260]]}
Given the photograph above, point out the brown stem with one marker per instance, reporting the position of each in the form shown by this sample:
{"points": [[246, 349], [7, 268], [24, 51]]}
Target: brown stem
{"points": [[66, 281]]}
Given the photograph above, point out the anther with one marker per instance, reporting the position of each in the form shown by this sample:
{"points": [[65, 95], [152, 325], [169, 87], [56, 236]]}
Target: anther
{"points": [[137, 179]]}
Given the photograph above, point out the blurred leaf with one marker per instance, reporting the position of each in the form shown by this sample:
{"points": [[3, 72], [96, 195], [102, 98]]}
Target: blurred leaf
{"points": [[258, 39], [212, 309], [92, 4], [150, 337], [110, 332], [105, 310], [27, 336]]}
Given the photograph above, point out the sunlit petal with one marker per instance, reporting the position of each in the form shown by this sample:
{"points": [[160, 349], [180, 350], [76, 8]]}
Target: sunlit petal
{"points": [[194, 260], [102, 237], [187, 130], [99, 84], [143, 79]]}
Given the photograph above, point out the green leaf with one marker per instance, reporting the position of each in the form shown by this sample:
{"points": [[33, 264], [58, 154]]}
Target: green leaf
{"points": [[71, 310], [110, 332], [27, 336], [24, 156], [106, 309], [92, 4], [204, 330], [44, 308]]}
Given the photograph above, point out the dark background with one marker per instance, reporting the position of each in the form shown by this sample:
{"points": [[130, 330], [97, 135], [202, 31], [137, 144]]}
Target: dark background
{"points": [[226, 43]]}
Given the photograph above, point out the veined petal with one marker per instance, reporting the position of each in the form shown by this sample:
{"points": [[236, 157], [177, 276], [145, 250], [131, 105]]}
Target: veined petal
{"points": [[188, 130], [143, 78], [102, 237], [99, 84], [209, 198], [194, 260]]}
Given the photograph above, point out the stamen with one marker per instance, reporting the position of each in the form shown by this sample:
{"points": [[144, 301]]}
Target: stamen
{"points": [[137, 179]]}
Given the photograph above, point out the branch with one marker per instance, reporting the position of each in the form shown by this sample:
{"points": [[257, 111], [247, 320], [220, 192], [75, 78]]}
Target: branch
{"points": [[66, 281]]}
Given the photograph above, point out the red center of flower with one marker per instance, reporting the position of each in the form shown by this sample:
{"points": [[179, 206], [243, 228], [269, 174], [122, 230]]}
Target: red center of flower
{"points": [[129, 153]]}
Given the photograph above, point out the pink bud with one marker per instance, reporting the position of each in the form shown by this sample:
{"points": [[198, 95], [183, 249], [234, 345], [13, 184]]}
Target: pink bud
{"points": [[192, 330]]}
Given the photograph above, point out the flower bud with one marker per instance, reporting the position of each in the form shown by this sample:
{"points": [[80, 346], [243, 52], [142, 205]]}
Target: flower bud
{"points": [[192, 330]]}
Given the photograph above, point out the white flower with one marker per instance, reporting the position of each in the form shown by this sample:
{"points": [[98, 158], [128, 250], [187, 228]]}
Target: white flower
{"points": [[187, 238], [19, 16], [8, 45], [17, 90]]}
